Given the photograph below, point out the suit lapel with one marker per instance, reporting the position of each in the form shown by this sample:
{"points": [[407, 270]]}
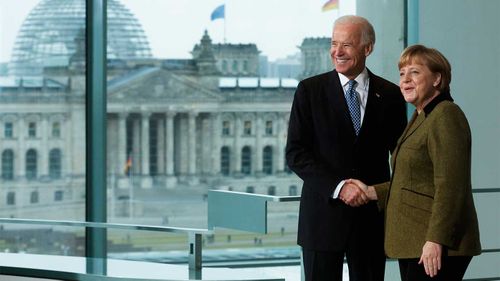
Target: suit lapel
{"points": [[415, 122], [373, 103], [412, 126]]}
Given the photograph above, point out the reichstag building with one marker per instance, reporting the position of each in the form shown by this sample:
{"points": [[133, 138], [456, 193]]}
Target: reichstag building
{"points": [[212, 121]]}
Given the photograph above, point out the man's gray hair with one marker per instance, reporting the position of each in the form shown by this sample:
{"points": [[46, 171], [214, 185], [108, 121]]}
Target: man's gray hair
{"points": [[367, 31]]}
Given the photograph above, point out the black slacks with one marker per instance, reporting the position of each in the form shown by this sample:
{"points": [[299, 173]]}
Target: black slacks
{"points": [[452, 269], [364, 253]]}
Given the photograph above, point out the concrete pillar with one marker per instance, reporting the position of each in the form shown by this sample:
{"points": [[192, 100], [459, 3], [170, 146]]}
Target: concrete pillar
{"points": [[258, 145], [238, 129], [216, 142], [21, 151], [169, 157], [122, 143], [146, 181], [279, 162], [192, 146], [44, 147]]}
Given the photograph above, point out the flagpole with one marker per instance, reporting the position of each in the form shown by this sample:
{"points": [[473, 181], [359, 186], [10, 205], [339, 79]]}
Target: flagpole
{"points": [[131, 196], [225, 22]]}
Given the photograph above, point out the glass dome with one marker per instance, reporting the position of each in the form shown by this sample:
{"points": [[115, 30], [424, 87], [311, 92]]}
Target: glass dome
{"points": [[49, 36]]}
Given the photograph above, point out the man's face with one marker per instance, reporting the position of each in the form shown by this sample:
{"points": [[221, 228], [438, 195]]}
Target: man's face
{"points": [[347, 51]]}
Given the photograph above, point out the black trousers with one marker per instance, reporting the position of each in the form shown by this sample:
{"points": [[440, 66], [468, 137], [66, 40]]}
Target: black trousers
{"points": [[364, 253], [452, 269]]}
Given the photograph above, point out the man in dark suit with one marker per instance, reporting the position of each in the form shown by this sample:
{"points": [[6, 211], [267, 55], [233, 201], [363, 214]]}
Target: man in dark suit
{"points": [[343, 124]]}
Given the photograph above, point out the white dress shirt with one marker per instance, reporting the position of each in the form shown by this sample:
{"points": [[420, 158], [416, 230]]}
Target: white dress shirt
{"points": [[361, 88]]}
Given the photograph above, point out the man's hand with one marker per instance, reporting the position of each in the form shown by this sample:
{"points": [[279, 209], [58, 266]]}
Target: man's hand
{"points": [[368, 190], [352, 195]]}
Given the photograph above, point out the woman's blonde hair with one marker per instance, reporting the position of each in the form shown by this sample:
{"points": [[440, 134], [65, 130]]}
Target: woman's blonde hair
{"points": [[432, 58]]}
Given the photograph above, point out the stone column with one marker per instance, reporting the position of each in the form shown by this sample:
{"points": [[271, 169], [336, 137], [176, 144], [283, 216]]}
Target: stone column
{"points": [[122, 143], [160, 124], [44, 148], [192, 147], [279, 163], [216, 142], [123, 182], [135, 171], [146, 181], [67, 168], [258, 145], [171, 180], [237, 145], [21, 164]]}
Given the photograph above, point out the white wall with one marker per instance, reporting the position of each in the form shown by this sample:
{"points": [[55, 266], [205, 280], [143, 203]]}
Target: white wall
{"points": [[467, 32]]}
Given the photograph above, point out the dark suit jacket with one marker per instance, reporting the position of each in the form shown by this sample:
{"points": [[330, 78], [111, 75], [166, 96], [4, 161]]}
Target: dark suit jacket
{"points": [[322, 149], [430, 195]]}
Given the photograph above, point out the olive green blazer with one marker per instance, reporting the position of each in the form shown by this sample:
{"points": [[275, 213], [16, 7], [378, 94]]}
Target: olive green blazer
{"points": [[429, 197]]}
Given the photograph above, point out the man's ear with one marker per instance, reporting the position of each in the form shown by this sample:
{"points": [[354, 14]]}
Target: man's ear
{"points": [[368, 49]]}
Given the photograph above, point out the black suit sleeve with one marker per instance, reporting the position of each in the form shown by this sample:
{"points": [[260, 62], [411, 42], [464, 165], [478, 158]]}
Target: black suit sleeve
{"points": [[302, 152]]}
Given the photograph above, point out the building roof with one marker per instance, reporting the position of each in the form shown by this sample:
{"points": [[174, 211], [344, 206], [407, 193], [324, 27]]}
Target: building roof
{"points": [[256, 82]]}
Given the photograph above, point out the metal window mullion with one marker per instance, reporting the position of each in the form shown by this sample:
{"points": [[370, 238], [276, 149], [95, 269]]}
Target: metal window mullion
{"points": [[96, 133], [412, 22]]}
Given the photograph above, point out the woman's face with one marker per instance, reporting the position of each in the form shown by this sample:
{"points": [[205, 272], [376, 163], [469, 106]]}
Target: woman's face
{"points": [[418, 84]]}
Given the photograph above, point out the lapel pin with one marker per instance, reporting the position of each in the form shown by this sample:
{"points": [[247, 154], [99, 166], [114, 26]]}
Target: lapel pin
{"points": [[377, 94]]}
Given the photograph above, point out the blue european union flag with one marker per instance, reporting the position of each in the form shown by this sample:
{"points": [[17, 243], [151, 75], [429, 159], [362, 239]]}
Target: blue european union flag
{"points": [[218, 13]]}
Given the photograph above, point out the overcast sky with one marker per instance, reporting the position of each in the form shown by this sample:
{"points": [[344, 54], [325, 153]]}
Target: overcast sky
{"points": [[174, 26]]}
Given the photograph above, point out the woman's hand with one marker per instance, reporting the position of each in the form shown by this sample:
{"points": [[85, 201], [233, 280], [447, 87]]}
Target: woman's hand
{"points": [[367, 189], [431, 258]]}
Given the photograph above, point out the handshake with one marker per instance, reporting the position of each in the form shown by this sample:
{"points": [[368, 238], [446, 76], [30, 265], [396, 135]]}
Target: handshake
{"points": [[355, 193]]}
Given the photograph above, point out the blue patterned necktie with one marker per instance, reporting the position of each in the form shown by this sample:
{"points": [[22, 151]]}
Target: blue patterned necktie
{"points": [[354, 107]]}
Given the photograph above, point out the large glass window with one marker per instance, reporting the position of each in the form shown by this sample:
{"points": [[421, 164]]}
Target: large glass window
{"points": [[267, 160], [8, 164], [246, 160], [8, 130], [11, 198], [247, 128], [32, 129], [269, 128], [42, 86], [34, 197], [56, 130], [225, 157], [178, 102], [170, 89], [226, 128], [55, 159], [31, 164], [191, 110]]}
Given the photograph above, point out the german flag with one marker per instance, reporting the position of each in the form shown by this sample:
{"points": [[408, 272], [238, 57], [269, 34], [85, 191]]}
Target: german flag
{"points": [[128, 166], [330, 5]]}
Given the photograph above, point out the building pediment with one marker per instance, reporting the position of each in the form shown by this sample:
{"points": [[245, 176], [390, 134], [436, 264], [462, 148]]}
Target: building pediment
{"points": [[154, 84]]}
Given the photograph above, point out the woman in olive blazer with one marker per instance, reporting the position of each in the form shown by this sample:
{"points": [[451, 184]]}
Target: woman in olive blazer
{"points": [[431, 224]]}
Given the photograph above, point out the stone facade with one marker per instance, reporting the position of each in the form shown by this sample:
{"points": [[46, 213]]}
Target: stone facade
{"points": [[177, 123]]}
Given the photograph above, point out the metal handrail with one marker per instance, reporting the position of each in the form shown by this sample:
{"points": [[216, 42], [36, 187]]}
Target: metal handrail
{"points": [[107, 225], [194, 235]]}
